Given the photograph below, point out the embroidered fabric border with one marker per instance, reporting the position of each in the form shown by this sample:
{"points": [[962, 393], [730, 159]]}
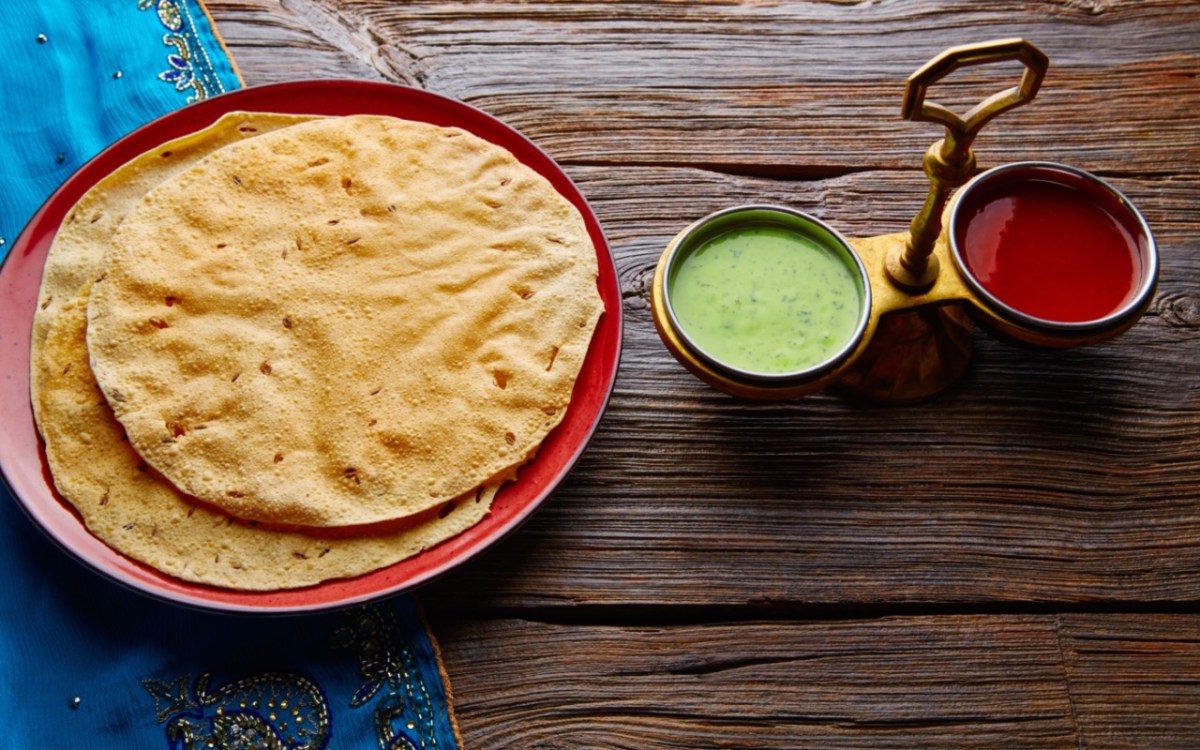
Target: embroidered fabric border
{"points": [[288, 710], [189, 65]]}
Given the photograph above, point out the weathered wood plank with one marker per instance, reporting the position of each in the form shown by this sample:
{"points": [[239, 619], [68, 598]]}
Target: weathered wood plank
{"points": [[760, 87], [1075, 680], [947, 682], [1135, 680], [274, 41]]}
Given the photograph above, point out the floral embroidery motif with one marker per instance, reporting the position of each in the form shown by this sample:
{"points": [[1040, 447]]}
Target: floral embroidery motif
{"points": [[404, 717], [286, 711], [189, 64], [274, 711]]}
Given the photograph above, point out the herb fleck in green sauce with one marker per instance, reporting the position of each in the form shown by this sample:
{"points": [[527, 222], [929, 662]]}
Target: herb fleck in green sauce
{"points": [[766, 299]]}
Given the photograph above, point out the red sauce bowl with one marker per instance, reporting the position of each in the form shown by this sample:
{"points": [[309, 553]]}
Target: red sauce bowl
{"points": [[1055, 255]]}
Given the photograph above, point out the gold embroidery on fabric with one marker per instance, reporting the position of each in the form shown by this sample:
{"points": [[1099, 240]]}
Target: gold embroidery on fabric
{"points": [[189, 66], [271, 711], [404, 716], [287, 711], [170, 16]]}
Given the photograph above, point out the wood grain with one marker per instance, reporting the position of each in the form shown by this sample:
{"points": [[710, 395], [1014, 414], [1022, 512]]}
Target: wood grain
{"points": [[1134, 680], [763, 87], [1073, 681], [1015, 564], [938, 683]]}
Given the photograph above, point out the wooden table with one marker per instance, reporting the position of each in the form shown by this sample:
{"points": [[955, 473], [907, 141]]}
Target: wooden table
{"points": [[1016, 564]]}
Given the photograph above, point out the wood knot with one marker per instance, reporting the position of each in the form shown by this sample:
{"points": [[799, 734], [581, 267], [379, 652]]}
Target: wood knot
{"points": [[1179, 310], [635, 292]]}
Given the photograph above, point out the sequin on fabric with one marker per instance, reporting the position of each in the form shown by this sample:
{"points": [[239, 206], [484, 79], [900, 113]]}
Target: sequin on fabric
{"points": [[189, 66]]}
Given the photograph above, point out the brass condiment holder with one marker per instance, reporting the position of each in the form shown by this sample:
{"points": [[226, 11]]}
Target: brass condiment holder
{"points": [[922, 306]]}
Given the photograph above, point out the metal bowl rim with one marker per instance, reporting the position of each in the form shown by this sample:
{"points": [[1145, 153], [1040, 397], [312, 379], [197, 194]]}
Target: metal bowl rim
{"points": [[1114, 319]]}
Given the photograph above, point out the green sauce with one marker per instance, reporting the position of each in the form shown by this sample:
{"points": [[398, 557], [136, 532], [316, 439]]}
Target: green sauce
{"points": [[766, 299]]}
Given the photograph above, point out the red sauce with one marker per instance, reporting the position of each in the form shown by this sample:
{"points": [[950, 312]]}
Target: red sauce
{"points": [[1051, 244]]}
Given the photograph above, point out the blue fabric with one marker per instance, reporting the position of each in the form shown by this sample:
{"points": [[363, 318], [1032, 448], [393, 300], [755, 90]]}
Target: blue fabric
{"points": [[85, 663], [79, 74]]}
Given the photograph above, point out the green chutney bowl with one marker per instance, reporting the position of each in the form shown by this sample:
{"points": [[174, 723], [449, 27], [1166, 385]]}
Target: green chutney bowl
{"points": [[762, 301]]}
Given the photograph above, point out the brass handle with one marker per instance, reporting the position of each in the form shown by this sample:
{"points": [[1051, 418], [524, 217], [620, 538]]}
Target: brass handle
{"points": [[916, 107], [950, 162]]}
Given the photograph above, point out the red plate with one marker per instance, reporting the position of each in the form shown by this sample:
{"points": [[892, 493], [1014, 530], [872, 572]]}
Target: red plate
{"points": [[23, 460]]}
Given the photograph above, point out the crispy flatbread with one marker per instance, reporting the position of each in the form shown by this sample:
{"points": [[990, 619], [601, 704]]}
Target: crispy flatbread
{"points": [[344, 322], [134, 510], [84, 235]]}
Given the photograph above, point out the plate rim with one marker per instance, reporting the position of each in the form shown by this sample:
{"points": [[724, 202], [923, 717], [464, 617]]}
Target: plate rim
{"points": [[37, 233]]}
